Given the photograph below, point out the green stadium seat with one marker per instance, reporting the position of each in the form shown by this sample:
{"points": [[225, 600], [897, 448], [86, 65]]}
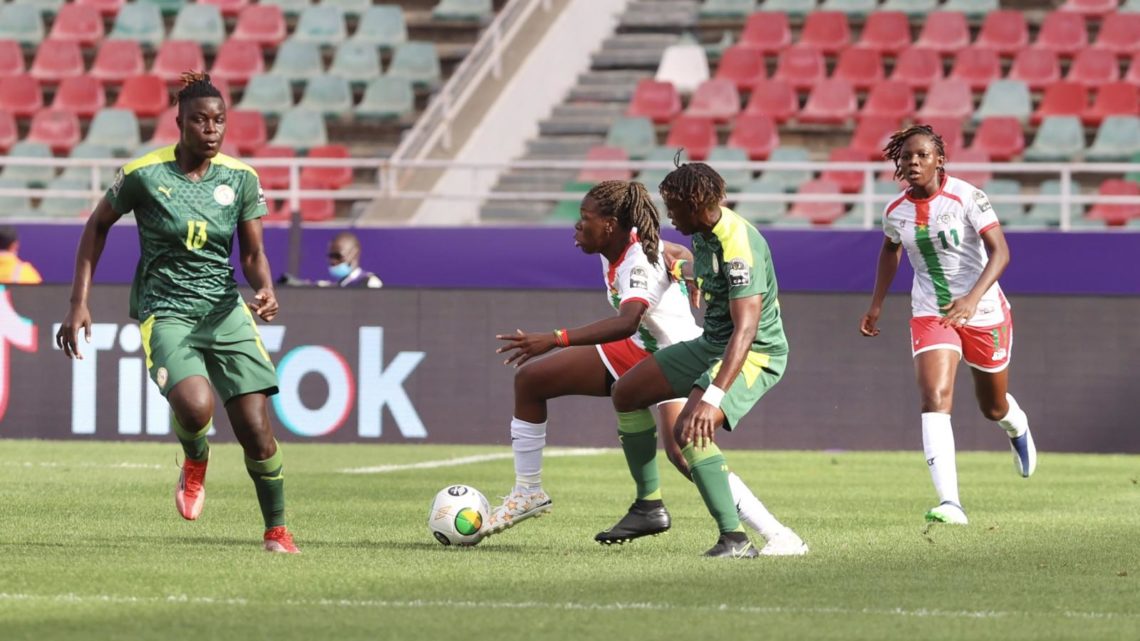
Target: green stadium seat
{"points": [[1059, 138], [912, 8], [46, 7], [141, 22], [1117, 140], [854, 8], [66, 206], [15, 206], [418, 62], [290, 7], [166, 7], [350, 7], [1134, 176], [734, 179], [651, 178], [29, 176], [201, 23], [117, 129], [90, 150], [358, 62], [788, 180], [796, 8], [792, 222], [321, 24], [634, 134], [1130, 6], [327, 94], [1006, 212], [1046, 214], [974, 9], [465, 10], [387, 98], [762, 213], [268, 93], [298, 61], [300, 129], [734, 9], [569, 211], [383, 26], [851, 220], [22, 23], [1080, 222], [887, 187], [1005, 98]]}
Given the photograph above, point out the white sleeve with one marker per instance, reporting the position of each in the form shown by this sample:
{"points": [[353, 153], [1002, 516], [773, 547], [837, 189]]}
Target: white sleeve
{"points": [[979, 212], [638, 280], [890, 229]]}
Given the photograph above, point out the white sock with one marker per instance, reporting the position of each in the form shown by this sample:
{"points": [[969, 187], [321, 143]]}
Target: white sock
{"points": [[527, 440], [1015, 422], [938, 444], [752, 511]]}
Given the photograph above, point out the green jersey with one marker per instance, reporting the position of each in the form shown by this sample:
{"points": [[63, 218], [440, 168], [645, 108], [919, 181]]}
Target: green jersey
{"points": [[734, 262], [186, 232]]}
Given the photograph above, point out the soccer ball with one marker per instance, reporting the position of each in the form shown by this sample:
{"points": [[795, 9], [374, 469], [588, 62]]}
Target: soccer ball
{"points": [[458, 515]]}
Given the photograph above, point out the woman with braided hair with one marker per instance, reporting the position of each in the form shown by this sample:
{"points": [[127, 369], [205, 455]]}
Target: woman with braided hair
{"points": [[957, 249], [620, 223], [189, 200]]}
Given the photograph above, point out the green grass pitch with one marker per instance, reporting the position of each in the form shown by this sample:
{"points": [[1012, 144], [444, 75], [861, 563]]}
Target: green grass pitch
{"points": [[91, 548]]}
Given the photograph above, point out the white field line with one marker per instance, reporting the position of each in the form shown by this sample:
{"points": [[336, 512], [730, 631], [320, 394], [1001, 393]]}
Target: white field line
{"points": [[108, 466], [467, 460], [570, 606]]}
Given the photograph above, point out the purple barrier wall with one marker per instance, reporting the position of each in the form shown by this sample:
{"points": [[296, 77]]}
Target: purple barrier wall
{"points": [[545, 258]]}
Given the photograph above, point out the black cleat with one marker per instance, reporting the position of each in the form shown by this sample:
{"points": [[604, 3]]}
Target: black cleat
{"points": [[733, 545], [643, 519]]}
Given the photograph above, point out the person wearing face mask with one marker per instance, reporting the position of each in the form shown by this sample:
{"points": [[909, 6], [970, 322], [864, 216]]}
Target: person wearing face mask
{"points": [[344, 264]]}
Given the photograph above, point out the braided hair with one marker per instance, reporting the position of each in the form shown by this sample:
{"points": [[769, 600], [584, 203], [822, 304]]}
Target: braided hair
{"points": [[629, 202], [893, 150], [195, 84], [694, 185]]}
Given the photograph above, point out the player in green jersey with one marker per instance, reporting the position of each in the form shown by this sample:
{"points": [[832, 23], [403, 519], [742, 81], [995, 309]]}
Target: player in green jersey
{"points": [[739, 357], [189, 200]]}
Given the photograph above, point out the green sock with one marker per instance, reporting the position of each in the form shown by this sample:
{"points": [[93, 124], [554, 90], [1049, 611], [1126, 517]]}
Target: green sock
{"points": [[638, 434], [194, 444], [710, 474], [270, 485]]}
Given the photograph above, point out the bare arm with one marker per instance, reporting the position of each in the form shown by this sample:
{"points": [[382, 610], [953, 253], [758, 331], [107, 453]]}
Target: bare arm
{"points": [[960, 311], [889, 256], [527, 346], [87, 255], [674, 253], [255, 267]]}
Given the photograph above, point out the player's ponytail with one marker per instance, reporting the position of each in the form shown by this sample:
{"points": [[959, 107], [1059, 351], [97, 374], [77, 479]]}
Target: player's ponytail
{"points": [[195, 84]]}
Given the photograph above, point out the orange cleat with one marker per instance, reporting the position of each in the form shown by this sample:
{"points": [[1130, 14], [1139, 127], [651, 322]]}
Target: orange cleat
{"points": [[190, 493], [278, 539]]}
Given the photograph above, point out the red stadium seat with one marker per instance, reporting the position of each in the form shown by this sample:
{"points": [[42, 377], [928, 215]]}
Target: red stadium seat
{"points": [[715, 99], [1120, 34], [1113, 214], [743, 65], [872, 134], [1113, 99], [891, 99], [228, 8], [336, 178], [1000, 137], [830, 102], [972, 176], [77, 23], [696, 135], [818, 213], [950, 130], [21, 96], [261, 23], [118, 60], [918, 68], [273, 177], [826, 31], [863, 68], [55, 128], [976, 67], [8, 132], [948, 98], [106, 8], [1062, 33], [1089, 7], [11, 58], [1133, 74], [83, 96], [1094, 67], [768, 32], [774, 98], [246, 130], [1004, 32], [756, 134], [658, 101], [945, 32], [849, 181], [238, 61], [800, 67], [1062, 99], [166, 128], [316, 210], [175, 57], [1037, 68], [56, 60], [887, 32], [146, 95]]}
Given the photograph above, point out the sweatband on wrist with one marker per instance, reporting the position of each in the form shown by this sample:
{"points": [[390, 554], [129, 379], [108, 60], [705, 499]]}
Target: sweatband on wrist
{"points": [[713, 396], [562, 338], [675, 270]]}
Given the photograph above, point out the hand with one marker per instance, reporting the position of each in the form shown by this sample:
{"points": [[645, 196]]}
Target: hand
{"points": [[265, 304], [694, 293], [958, 312], [868, 325], [525, 346], [699, 426], [67, 338]]}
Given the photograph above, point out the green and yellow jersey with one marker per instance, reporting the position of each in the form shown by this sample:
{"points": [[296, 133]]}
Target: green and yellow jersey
{"points": [[186, 231]]}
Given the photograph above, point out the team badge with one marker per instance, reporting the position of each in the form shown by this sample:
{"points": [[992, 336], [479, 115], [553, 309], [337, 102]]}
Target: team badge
{"points": [[224, 195], [160, 377], [118, 184], [739, 274], [638, 278], [981, 201], [260, 195]]}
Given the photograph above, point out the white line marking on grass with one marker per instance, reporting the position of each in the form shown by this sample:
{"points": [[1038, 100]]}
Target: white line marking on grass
{"points": [[465, 460], [109, 466], [572, 606]]}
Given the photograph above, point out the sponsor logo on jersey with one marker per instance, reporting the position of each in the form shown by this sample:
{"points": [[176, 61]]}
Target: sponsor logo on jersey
{"points": [[944, 219], [638, 278], [224, 195], [118, 184], [981, 201], [999, 354], [260, 195], [739, 274], [165, 191]]}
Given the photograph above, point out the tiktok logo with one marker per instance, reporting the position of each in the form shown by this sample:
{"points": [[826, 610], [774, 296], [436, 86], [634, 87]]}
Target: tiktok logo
{"points": [[15, 331]]}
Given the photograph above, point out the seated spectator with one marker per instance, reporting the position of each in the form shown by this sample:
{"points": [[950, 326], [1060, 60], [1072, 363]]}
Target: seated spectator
{"points": [[12, 269]]}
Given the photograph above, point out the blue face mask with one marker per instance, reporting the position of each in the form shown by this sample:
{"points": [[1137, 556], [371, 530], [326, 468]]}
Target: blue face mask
{"points": [[340, 270]]}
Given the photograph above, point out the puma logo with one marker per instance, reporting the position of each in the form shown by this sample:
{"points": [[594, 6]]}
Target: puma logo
{"points": [[165, 191]]}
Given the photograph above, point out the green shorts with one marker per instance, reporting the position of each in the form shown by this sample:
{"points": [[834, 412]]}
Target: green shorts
{"points": [[225, 348], [695, 363]]}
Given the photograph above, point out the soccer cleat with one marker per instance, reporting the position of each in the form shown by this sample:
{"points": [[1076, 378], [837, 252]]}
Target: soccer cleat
{"points": [[785, 543], [1024, 454], [733, 545], [947, 512], [278, 539], [190, 493], [643, 519], [519, 506]]}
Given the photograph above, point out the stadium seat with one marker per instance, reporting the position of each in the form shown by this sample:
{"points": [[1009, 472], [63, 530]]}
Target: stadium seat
{"points": [[716, 100], [756, 134], [141, 22], [825, 31], [947, 98], [1005, 98], [685, 64], [9, 133], [1062, 33], [328, 95], [55, 206], [246, 130], [464, 10], [270, 94], [1062, 99], [22, 23], [21, 95], [951, 130], [418, 62], [272, 177], [800, 67], [300, 129], [77, 23], [11, 58], [357, 62], [976, 67], [117, 60], [386, 98], [734, 178], [912, 8], [830, 102], [29, 176], [1118, 34], [774, 98], [1059, 138], [175, 57], [261, 23], [1097, 8], [1037, 68], [83, 174], [116, 129], [945, 32], [1045, 214], [47, 7], [918, 68], [974, 9], [321, 24], [166, 129], [237, 61], [1000, 137], [229, 8], [743, 65], [734, 9], [863, 68], [696, 135], [788, 180], [891, 99], [106, 8], [290, 7], [353, 8], [165, 7], [871, 135], [1133, 74], [1004, 32], [201, 23], [1117, 140], [819, 213], [15, 206], [316, 210], [597, 153], [1113, 99], [84, 96], [851, 8], [887, 32], [653, 177], [298, 61], [1094, 67], [972, 176], [657, 101], [849, 181], [1115, 214], [797, 8], [145, 95], [55, 61], [635, 134], [55, 128], [1006, 212], [383, 26], [762, 212]]}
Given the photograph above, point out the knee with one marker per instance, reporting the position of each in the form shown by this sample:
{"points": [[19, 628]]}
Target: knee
{"points": [[526, 382], [193, 410], [263, 448], [624, 397], [937, 399], [994, 411]]}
